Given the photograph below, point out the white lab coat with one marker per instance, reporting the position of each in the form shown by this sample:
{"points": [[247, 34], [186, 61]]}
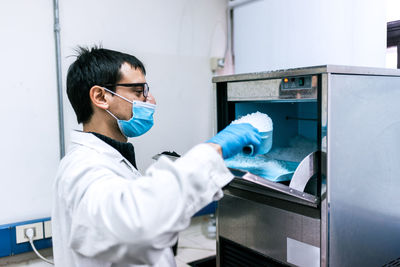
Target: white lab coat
{"points": [[106, 213]]}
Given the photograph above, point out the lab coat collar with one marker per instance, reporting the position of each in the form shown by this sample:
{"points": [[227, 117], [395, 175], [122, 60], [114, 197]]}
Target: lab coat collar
{"points": [[95, 143]]}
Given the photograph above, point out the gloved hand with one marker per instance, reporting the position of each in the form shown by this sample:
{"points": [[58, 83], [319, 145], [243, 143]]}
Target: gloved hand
{"points": [[234, 137]]}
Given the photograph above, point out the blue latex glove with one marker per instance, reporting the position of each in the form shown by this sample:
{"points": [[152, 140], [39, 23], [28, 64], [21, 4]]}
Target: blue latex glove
{"points": [[234, 137]]}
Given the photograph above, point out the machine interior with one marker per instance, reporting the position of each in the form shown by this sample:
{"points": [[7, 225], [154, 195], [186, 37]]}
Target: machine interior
{"points": [[295, 135]]}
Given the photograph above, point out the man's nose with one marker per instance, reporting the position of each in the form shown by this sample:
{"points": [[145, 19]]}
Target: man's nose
{"points": [[150, 99]]}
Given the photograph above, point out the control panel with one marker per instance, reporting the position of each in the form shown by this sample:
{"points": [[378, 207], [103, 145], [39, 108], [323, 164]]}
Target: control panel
{"points": [[296, 83]]}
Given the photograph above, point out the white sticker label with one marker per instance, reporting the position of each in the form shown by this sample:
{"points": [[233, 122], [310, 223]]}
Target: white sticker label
{"points": [[302, 254]]}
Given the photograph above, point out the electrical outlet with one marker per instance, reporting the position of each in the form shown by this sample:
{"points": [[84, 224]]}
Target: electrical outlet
{"points": [[216, 63], [47, 229], [20, 232]]}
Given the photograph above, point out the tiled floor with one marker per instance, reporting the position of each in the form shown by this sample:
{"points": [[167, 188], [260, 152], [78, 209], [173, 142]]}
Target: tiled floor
{"points": [[193, 243]]}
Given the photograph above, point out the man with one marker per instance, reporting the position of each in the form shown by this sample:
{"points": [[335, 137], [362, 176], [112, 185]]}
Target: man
{"points": [[105, 212]]}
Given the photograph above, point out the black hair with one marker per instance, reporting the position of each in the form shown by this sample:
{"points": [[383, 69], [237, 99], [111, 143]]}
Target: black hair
{"points": [[94, 66]]}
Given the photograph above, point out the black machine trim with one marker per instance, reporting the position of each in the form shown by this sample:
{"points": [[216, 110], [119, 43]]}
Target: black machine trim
{"points": [[235, 255]]}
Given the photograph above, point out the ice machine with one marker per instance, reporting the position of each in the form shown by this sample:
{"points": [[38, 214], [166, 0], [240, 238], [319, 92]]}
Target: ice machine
{"points": [[337, 133]]}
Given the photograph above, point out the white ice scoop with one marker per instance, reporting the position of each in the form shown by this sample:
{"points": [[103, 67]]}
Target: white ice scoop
{"points": [[263, 123]]}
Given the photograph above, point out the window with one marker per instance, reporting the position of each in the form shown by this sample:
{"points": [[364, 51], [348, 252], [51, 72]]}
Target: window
{"points": [[393, 34], [393, 45]]}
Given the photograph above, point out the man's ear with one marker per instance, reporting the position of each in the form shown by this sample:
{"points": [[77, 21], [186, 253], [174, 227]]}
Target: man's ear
{"points": [[99, 97]]}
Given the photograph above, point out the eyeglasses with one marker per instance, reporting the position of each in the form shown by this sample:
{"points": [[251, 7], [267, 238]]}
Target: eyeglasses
{"points": [[136, 87]]}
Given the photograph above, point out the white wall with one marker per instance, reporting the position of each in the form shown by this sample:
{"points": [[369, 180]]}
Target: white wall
{"points": [[270, 35], [175, 40], [29, 119], [392, 10]]}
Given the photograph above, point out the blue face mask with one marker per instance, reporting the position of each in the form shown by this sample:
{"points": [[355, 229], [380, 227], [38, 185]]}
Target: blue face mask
{"points": [[142, 117]]}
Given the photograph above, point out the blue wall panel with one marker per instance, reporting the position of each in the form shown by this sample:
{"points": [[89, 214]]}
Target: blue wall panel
{"points": [[8, 242], [5, 243]]}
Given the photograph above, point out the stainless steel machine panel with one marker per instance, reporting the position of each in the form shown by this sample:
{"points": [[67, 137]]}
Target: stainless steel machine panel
{"points": [[254, 90], [363, 169], [250, 222], [273, 89]]}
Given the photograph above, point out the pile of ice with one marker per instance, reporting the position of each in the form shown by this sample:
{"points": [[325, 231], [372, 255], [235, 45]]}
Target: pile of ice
{"points": [[299, 147], [261, 166], [279, 163], [258, 120]]}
